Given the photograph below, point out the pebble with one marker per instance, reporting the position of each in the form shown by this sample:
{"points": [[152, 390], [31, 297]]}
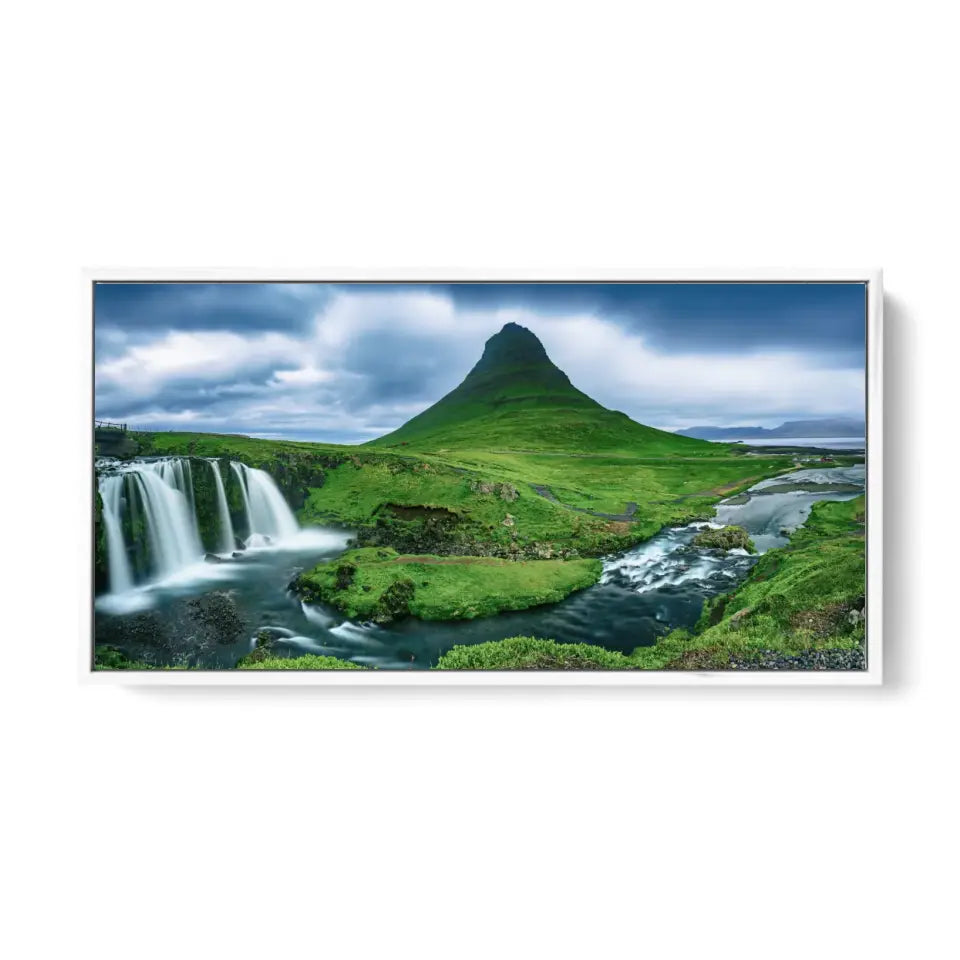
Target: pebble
{"points": [[808, 660]]}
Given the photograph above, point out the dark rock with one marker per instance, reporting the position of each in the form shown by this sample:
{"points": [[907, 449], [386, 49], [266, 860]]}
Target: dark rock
{"points": [[217, 612], [726, 538], [345, 574], [395, 601], [262, 647], [213, 558], [182, 635]]}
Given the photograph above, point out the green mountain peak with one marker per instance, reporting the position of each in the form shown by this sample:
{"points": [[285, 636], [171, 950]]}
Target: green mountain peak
{"points": [[514, 364], [513, 345], [517, 398]]}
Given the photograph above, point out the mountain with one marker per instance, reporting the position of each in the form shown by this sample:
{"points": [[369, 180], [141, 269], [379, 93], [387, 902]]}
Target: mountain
{"points": [[830, 427], [516, 398]]}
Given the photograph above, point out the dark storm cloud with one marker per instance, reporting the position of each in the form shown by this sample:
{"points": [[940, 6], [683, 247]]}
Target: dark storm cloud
{"points": [[825, 317], [148, 307]]}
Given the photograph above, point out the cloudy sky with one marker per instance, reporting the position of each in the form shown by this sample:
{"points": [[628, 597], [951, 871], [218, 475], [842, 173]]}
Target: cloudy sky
{"points": [[348, 362]]}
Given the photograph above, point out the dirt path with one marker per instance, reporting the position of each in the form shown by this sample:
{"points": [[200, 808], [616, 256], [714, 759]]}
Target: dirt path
{"points": [[721, 491], [548, 494], [631, 508], [448, 561]]}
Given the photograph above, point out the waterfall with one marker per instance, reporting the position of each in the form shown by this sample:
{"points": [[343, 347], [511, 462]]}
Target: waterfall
{"points": [[150, 509], [178, 475], [227, 543], [237, 469], [111, 493], [171, 524], [267, 511]]}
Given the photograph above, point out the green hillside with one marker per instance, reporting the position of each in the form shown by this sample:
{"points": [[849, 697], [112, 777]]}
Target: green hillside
{"points": [[516, 398]]}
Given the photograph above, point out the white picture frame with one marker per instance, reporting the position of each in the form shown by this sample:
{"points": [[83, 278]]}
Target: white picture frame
{"points": [[872, 676]]}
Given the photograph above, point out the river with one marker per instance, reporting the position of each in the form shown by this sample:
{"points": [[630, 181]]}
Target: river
{"points": [[642, 594]]}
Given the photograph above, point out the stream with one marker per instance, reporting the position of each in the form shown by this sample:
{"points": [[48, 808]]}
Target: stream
{"points": [[642, 594]]}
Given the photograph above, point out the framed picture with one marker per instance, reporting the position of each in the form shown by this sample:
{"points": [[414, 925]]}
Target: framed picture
{"points": [[455, 477]]}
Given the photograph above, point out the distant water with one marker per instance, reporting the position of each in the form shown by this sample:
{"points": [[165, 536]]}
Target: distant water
{"points": [[829, 443]]}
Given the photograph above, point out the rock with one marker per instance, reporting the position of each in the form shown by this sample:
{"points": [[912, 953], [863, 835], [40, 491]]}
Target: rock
{"points": [[218, 614], [182, 635], [395, 601], [239, 544], [345, 575], [212, 558], [726, 538], [808, 660], [740, 614], [262, 647], [236, 554], [509, 520], [507, 491]]}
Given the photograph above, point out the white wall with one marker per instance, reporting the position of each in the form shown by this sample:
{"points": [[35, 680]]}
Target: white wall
{"points": [[297, 823]]}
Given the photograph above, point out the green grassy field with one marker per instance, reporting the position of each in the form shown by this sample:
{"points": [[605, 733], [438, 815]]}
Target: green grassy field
{"points": [[379, 584], [487, 502]]}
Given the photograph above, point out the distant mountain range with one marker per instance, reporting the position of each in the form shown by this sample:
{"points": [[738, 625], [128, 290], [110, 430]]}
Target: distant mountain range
{"points": [[830, 427]]}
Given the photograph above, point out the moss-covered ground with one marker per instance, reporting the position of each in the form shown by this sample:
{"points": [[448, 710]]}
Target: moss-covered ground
{"points": [[378, 584], [309, 661], [532, 653]]}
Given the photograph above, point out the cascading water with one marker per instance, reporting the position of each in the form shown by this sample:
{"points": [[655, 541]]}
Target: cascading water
{"points": [[171, 524], [150, 516], [111, 493], [267, 512], [227, 542]]}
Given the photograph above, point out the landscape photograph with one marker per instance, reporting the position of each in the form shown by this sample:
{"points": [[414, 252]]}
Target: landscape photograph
{"points": [[397, 476]]}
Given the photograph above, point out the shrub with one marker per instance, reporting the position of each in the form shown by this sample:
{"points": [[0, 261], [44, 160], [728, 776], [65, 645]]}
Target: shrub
{"points": [[532, 653]]}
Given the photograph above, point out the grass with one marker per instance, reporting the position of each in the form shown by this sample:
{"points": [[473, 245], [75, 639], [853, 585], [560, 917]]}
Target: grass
{"points": [[249, 449], [532, 653], [662, 492], [380, 584], [110, 658], [309, 661]]}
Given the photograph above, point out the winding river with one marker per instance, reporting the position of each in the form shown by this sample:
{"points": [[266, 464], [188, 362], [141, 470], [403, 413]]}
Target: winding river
{"points": [[642, 594]]}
